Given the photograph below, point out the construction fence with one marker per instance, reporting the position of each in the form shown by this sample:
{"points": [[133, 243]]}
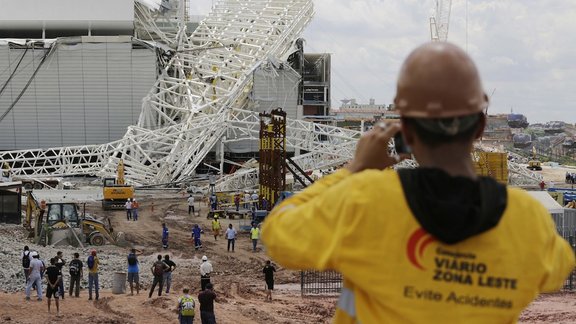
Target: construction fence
{"points": [[320, 283], [566, 227]]}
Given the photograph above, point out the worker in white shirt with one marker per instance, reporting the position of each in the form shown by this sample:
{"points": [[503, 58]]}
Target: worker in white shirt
{"points": [[191, 205], [205, 270]]}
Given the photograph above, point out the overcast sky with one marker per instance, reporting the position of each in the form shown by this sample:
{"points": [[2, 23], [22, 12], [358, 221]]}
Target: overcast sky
{"points": [[525, 49]]}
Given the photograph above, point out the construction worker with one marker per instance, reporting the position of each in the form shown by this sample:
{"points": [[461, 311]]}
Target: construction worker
{"points": [[435, 244], [128, 206], [205, 270], [196, 235], [135, 206], [216, 227], [254, 236], [165, 234]]}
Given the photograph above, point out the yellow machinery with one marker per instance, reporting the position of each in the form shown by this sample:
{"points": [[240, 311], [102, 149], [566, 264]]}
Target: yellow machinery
{"points": [[115, 191], [44, 219], [534, 164], [493, 164], [5, 175]]}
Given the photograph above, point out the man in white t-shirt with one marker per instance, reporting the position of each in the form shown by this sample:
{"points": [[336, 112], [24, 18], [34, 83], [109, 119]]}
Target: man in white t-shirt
{"points": [[36, 269], [231, 236], [128, 206], [205, 270], [191, 205], [246, 200], [254, 198]]}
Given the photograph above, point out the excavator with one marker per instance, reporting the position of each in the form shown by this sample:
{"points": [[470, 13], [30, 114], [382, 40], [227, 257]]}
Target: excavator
{"points": [[115, 191], [534, 164], [51, 222]]}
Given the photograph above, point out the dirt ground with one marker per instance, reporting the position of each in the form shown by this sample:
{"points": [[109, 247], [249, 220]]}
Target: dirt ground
{"points": [[237, 278], [556, 308]]}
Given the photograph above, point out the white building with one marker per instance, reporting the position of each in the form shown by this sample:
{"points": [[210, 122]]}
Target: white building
{"points": [[350, 110]]}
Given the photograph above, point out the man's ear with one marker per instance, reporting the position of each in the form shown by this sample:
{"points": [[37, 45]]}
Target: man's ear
{"points": [[408, 133], [481, 126]]}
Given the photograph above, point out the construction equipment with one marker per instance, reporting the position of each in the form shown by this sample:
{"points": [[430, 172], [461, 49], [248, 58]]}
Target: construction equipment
{"points": [[27, 183], [534, 163], [50, 221], [115, 191], [5, 175]]}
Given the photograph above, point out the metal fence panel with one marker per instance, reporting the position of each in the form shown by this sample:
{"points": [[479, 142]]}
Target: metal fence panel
{"points": [[566, 227], [320, 283]]}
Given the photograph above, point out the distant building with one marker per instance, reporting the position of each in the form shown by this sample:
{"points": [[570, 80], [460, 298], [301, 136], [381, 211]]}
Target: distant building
{"points": [[517, 121], [497, 130], [350, 110]]}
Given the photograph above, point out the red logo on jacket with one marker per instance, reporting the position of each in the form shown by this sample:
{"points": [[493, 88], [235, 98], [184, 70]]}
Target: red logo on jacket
{"points": [[417, 243]]}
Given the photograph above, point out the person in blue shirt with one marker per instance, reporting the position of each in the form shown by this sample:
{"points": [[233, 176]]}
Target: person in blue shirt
{"points": [[164, 236], [133, 272], [196, 231]]}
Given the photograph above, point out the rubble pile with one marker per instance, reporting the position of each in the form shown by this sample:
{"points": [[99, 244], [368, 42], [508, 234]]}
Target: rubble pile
{"points": [[113, 259]]}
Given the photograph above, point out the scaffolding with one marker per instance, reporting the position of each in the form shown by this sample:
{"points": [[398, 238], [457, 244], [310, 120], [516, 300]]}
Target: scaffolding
{"points": [[272, 164]]}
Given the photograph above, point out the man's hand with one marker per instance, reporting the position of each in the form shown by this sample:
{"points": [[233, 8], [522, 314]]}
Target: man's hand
{"points": [[372, 149]]}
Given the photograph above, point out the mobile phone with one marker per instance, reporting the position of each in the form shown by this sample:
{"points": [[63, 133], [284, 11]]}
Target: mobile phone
{"points": [[399, 144]]}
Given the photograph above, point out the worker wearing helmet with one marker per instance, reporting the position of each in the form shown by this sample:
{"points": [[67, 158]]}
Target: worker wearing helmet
{"points": [[435, 244], [216, 227], [205, 270]]}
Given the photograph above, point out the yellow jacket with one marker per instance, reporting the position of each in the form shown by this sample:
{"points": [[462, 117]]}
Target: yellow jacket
{"points": [[394, 272]]}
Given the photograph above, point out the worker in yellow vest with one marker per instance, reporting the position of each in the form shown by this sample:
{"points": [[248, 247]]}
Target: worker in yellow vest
{"points": [[216, 227], [186, 307], [254, 235], [435, 244]]}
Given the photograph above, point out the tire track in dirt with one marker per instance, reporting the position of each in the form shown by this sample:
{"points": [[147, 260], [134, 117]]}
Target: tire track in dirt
{"points": [[103, 305]]}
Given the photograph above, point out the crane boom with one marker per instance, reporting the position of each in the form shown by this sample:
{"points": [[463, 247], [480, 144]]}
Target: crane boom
{"points": [[440, 21]]}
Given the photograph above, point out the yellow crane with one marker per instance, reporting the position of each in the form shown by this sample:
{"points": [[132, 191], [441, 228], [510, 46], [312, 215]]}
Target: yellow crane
{"points": [[534, 164], [115, 191]]}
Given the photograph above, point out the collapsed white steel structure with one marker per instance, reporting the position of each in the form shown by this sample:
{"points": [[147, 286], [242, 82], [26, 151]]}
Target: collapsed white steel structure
{"points": [[200, 100], [197, 101]]}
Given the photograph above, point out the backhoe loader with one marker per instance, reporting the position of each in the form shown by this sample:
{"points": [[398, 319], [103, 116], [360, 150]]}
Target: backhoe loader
{"points": [[49, 221]]}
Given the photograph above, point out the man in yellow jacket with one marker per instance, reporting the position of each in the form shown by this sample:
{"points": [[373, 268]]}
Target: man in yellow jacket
{"points": [[435, 244]]}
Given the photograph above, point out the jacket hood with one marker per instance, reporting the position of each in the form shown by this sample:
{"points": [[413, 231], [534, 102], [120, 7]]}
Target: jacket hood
{"points": [[453, 209]]}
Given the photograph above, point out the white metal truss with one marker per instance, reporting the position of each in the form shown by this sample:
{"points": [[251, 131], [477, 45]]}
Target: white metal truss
{"points": [[185, 113], [440, 22]]}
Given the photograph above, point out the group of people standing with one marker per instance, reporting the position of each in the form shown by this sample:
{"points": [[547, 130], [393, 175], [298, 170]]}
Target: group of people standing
{"points": [[35, 269], [132, 209], [207, 296]]}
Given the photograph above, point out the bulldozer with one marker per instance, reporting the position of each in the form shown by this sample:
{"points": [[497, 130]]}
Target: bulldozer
{"points": [[115, 191], [50, 223], [534, 164]]}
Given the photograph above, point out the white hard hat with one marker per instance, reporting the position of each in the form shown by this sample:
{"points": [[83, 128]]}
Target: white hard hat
{"points": [[204, 258], [33, 254]]}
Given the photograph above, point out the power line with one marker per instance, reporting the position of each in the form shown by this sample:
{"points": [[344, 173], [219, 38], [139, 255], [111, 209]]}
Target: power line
{"points": [[27, 84], [14, 72]]}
